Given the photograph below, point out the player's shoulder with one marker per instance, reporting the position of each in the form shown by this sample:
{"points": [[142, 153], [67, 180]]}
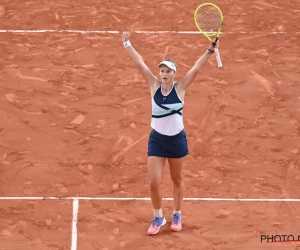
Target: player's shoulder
{"points": [[154, 88]]}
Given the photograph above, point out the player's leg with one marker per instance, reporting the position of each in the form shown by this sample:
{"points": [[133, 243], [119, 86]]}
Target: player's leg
{"points": [[178, 149], [155, 167], [176, 166]]}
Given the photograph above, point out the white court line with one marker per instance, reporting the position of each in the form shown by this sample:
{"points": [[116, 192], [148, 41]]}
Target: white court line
{"points": [[148, 199], [74, 224], [139, 32]]}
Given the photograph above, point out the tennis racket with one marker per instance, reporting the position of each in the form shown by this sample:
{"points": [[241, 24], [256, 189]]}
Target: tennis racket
{"points": [[209, 20]]}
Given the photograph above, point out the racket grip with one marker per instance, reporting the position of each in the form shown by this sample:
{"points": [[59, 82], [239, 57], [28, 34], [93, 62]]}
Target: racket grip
{"points": [[214, 43], [218, 58]]}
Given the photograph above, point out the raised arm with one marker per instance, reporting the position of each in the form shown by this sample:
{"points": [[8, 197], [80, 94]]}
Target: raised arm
{"points": [[138, 60], [186, 81]]}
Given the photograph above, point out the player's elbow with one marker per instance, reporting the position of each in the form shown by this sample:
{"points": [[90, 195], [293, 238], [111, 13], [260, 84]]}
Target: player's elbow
{"points": [[139, 62], [197, 67]]}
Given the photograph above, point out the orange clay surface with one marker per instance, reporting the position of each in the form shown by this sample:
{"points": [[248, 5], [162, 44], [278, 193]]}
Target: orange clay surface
{"points": [[75, 119]]}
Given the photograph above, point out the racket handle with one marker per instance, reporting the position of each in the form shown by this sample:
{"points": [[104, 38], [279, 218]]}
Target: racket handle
{"points": [[218, 58], [214, 43]]}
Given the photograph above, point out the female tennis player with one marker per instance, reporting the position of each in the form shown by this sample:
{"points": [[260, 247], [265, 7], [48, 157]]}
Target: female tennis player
{"points": [[167, 140]]}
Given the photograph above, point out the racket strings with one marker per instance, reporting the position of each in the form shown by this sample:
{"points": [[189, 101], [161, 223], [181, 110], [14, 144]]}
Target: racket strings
{"points": [[208, 19]]}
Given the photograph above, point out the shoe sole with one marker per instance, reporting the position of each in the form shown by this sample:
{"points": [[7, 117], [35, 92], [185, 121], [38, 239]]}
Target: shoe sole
{"points": [[162, 224], [176, 230]]}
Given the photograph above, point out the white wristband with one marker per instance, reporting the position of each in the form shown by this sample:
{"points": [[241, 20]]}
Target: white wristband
{"points": [[126, 44]]}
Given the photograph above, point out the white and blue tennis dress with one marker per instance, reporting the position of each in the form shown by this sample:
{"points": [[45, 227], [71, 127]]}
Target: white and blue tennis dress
{"points": [[168, 137]]}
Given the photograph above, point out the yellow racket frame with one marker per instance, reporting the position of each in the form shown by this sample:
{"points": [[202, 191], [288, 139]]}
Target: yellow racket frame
{"points": [[221, 25], [209, 35]]}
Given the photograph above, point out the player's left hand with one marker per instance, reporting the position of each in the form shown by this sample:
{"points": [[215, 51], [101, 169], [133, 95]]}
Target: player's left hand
{"points": [[214, 44]]}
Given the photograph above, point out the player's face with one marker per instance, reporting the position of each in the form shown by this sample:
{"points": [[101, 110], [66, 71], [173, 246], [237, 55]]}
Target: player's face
{"points": [[166, 74]]}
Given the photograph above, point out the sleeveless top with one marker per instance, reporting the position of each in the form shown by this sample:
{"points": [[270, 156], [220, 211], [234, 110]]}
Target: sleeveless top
{"points": [[167, 112]]}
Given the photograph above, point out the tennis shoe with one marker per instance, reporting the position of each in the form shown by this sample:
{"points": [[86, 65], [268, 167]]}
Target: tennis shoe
{"points": [[176, 222], [156, 224]]}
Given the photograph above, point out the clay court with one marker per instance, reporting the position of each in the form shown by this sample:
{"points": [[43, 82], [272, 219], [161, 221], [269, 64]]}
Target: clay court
{"points": [[75, 120]]}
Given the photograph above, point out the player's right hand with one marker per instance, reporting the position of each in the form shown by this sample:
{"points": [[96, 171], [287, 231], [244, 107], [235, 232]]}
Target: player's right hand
{"points": [[125, 36]]}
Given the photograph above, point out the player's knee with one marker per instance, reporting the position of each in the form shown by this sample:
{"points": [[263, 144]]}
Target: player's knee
{"points": [[177, 181], [154, 184]]}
